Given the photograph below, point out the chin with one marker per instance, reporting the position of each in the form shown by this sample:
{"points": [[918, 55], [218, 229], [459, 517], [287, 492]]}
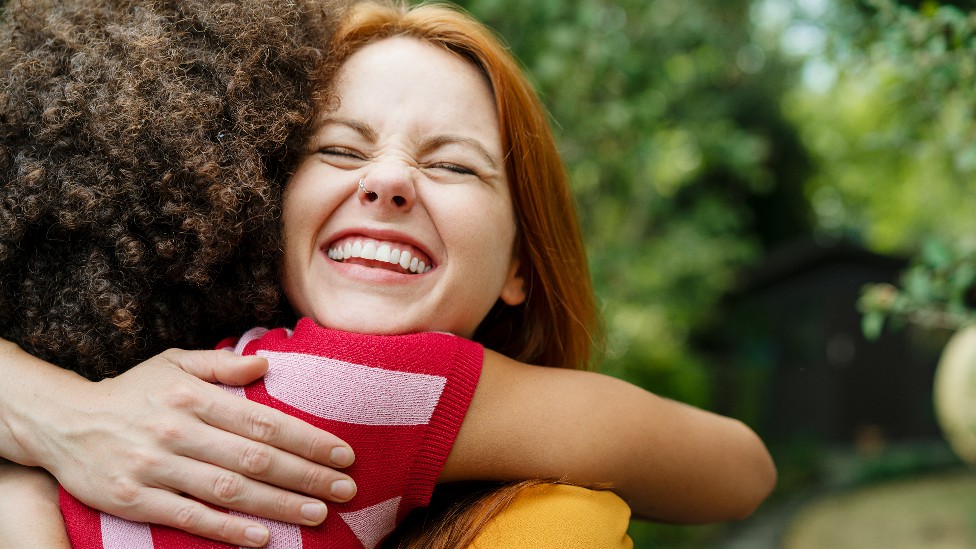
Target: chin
{"points": [[368, 326]]}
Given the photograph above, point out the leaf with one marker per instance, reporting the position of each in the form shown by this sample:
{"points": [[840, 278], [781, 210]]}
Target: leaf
{"points": [[872, 323], [936, 254]]}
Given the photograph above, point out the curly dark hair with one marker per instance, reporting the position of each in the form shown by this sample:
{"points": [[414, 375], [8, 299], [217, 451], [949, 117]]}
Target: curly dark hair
{"points": [[144, 147]]}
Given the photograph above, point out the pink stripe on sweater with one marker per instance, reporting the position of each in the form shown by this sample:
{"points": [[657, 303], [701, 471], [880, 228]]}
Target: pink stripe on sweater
{"points": [[351, 393], [119, 533], [373, 523], [283, 535], [249, 336]]}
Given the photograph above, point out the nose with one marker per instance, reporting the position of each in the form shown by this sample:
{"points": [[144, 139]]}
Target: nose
{"points": [[388, 188]]}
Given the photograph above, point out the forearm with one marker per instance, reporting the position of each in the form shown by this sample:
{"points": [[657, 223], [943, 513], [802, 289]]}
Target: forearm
{"points": [[29, 388], [676, 463], [135, 444], [669, 461], [29, 513]]}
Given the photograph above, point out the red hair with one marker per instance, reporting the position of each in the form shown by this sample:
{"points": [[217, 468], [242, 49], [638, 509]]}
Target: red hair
{"points": [[558, 325]]}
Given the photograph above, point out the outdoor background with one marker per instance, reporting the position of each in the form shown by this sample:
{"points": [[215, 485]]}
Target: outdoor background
{"points": [[743, 168]]}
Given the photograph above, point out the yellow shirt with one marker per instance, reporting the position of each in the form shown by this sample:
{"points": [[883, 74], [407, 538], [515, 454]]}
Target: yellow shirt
{"points": [[560, 517]]}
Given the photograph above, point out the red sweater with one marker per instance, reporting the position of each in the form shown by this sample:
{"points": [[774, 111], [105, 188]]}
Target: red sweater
{"points": [[397, 400]]}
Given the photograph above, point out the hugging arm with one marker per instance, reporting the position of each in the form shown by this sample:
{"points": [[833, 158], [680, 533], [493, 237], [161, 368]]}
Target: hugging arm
{"points": [[131, 445], [669, 461]]}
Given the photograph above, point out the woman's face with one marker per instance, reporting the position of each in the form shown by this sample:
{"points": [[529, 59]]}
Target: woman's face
{"points": [[430, 246]]}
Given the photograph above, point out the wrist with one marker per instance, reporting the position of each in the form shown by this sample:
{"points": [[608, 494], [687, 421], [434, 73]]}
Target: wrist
{"points": [[31, 410]]}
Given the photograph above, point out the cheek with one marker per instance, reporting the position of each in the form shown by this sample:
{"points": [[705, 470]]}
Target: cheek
{"points": [[289, 274], [493, 241], [299, 222], [505, 227], [307, 204], [292, 239], [477, 226], [291, 206]]}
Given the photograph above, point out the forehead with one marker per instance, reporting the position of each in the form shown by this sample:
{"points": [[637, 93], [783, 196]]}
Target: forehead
{"points": [[412, 55], [402, 75]]}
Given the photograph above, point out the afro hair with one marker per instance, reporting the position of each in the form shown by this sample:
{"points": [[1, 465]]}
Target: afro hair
{"points": [[144, 147]]}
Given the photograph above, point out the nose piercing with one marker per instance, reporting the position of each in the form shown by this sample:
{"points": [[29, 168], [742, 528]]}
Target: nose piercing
{"points": [[370, 195]]}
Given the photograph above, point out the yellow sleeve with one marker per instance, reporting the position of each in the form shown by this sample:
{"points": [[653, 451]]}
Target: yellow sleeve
{"points": [[559, 516]]}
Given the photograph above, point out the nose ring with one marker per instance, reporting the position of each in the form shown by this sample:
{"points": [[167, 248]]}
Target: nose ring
{"points": [[370, 195]]}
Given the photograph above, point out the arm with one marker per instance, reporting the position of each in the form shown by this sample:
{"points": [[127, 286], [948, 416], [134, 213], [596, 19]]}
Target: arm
{"points": [[29, 515], [669, 461], [131, 445]]}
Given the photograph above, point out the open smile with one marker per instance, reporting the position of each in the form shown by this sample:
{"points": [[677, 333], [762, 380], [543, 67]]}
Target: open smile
{"points": [[394, 256]]}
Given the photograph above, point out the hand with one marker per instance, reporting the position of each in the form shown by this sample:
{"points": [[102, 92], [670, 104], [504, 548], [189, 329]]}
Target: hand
{"points": [[133, 444], [29, 515]]}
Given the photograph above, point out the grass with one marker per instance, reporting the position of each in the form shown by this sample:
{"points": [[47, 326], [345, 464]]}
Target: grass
{"points": [[934, 511]]}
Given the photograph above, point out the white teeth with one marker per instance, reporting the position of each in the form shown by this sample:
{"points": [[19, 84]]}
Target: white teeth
{"points": [[369, 250], [374, 251]]}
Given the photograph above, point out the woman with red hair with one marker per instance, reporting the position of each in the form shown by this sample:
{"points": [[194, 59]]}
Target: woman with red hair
{"points": [[536, 422]]}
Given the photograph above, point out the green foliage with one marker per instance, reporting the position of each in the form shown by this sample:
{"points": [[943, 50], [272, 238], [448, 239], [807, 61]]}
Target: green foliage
{"points": [[895, 143], [895, 136], [936, 291], [666, 114]]}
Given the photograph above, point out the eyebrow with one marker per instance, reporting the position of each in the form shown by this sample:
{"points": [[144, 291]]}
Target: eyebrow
{"points": [[361, 128]]}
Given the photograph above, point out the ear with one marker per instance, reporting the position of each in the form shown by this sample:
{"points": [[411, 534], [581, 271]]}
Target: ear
{"points": [[513, 291]]}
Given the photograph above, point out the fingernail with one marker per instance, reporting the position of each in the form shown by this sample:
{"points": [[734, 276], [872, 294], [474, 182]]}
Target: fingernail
{"points": [[314, 512], [343, 489], [341, 456], [256, 535]]}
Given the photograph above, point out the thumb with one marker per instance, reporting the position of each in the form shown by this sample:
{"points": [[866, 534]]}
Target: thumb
{"points": [[224, 367]]}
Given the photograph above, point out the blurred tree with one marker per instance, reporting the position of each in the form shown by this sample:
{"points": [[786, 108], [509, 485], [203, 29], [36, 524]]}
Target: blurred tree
{"points": [[667, 115], [895, 136], [927, 4]]}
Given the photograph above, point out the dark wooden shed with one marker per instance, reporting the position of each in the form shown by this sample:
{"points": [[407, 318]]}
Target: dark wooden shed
{"points": [[794, 362]]}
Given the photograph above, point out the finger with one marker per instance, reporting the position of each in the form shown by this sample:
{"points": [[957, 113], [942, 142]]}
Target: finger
{"points": [[239, 370], [271, 466], [224, 367], [261, 423], [238, 447], [239, 493], [176, 511]]}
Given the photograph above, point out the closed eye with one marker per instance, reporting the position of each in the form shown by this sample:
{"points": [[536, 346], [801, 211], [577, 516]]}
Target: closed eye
{"points": [[450, 166], [342, 157], [340, 151]]}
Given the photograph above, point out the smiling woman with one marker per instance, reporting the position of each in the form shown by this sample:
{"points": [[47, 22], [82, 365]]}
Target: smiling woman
{"points": [[418, 125], [432, 146]]}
